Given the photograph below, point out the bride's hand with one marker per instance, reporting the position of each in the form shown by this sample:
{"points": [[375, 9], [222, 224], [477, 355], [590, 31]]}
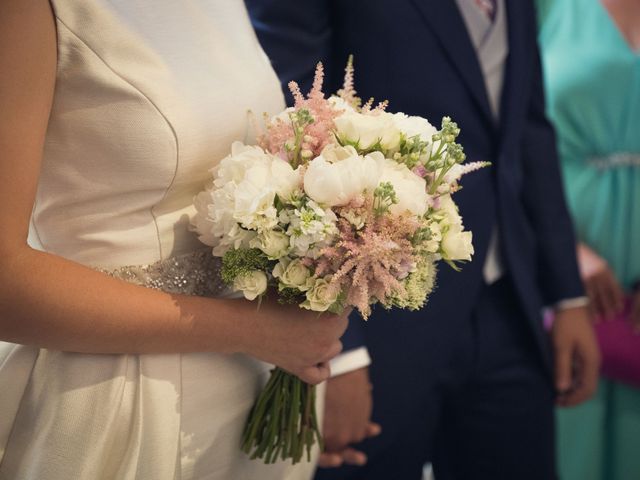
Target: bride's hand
{"points": [[300, 341]]}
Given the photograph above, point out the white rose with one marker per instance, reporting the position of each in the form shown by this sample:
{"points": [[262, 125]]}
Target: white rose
{"points": [[449, 209], [292, 274], [457, 244], [339, 174], [411, 190], [251, 284], [273, 243], [413, 125], [320, 296], [367, 130]]}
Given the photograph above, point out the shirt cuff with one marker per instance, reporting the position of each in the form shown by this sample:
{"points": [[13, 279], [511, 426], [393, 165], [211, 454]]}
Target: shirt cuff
{"points": [[568, 303], [350, 361]]}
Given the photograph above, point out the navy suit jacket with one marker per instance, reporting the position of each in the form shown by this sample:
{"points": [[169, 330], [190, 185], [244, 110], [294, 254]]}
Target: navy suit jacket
{"points": [[418, 55]]}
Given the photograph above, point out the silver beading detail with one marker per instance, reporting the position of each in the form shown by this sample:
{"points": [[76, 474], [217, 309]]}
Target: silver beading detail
{"points": [[619, 159], [196, 273]]}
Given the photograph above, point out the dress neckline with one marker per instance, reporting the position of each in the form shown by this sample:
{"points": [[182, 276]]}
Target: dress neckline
{"points": [[611, 21]]}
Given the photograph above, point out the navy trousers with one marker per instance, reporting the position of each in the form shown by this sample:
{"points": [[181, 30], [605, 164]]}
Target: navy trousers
{"points": [[474, 399]]}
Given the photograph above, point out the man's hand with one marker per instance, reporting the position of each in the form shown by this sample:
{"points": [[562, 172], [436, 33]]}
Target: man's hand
{"points": [[603, 288], [347, 415], [577, 357]]}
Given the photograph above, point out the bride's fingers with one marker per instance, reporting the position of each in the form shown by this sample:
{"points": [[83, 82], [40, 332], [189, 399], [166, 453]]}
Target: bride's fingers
{"points": [[330, 460], [336, 348], [355, 457], [373, 430], [316, 374]]}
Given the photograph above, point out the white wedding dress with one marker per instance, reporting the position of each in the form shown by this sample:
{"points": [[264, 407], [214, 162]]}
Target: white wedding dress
{"points": [[149, 96]]}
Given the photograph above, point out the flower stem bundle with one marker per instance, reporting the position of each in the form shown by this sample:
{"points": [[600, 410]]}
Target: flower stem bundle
{"points": [[283, 423]]}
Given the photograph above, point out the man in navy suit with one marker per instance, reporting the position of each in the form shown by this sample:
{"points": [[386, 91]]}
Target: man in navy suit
{"points": [[469, 382]]}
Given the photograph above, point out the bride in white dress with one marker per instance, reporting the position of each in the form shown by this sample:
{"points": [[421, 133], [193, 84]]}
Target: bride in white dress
{"points": [[111, 114]]}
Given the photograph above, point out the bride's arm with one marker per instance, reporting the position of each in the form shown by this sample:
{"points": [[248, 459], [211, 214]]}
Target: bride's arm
{"points": [[51, 302]]}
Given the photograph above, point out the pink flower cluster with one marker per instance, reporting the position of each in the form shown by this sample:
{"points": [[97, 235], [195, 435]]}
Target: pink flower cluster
{"points": [[370, 262], [316, 134]]}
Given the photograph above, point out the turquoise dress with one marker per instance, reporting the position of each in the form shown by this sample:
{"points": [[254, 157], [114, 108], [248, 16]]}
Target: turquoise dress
{"points": [[593, 94]]}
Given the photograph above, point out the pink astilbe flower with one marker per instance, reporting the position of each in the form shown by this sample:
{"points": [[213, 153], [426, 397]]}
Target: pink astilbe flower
{"points": [[348, 92], [369, 264], [294, 88], [471, 167], [381, 107], [281, 135], [367, 107]]}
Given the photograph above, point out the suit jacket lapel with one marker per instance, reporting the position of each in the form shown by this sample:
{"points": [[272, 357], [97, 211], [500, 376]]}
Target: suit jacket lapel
{"points": [[444, 19]]}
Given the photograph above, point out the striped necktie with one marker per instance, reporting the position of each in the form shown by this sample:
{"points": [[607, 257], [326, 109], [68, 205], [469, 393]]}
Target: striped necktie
{"points": [[488, 7]]}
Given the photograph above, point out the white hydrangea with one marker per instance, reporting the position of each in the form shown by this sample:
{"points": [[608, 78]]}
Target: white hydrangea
{"points": [[241, 200]]}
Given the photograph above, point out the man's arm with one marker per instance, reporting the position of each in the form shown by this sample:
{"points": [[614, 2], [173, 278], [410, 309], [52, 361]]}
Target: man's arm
{"points": [[295, 35], [544, 200], [577, 359]]}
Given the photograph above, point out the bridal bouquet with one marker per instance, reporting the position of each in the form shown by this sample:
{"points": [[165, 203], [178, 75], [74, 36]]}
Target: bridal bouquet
{"points": [[339, 205]]}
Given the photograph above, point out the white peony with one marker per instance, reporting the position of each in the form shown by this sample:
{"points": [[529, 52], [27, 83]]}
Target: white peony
{"points": [[367, 130], [251, 284], [321, 296], [339, 174], [338, 103], [410, 189], [292, 274], [273, 243], [413, 125]]}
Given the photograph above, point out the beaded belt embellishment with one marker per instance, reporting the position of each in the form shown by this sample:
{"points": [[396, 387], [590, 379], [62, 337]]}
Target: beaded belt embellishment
{"points": [[196, 273], [620, 159]]}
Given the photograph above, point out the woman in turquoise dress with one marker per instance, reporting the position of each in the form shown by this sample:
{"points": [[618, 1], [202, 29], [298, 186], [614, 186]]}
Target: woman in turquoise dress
{"points": [[592, 70]]}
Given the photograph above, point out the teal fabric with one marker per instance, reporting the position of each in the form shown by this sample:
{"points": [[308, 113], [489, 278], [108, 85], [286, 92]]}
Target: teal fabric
{"points": [[593, 96]]}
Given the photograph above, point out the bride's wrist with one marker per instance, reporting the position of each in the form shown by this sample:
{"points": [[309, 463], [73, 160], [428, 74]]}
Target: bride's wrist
{"points": [[235, 327]]}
